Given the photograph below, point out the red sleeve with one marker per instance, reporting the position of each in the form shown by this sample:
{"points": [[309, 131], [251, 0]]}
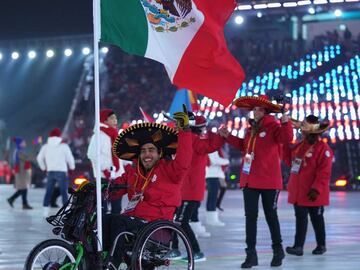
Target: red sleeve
{"points": [[236, 142], [323, 171], [286, 154], [284, 133], [209, 145], [180, 166]]}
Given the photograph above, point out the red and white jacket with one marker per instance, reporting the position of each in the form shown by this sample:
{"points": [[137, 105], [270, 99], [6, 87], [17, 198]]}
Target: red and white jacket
{"points": [[265, 172], [162, 195], [314, 173]]}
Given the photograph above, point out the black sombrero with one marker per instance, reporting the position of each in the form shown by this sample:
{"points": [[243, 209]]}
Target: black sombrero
{"points": [[128, 143]]}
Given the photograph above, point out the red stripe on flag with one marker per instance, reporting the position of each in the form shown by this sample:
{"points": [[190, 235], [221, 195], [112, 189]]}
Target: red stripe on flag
{"points": [[207, 67]]}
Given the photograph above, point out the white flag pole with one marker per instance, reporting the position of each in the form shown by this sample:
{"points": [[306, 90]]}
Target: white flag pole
{"points": [[96, 22]]}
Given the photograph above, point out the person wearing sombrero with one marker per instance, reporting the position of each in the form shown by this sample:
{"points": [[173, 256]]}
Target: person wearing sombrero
{"points": [[260, 170], [308, 187], [155, 179]]}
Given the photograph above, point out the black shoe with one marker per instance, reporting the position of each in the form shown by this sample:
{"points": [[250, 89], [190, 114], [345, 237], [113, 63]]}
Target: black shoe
{"points": [[298, 251], [251, 259], [11, 202], [278, 256], [54, 205], [319, 250], [27, 207]]}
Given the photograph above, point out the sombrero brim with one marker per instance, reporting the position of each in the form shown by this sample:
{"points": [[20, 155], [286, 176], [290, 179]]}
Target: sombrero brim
{"points": [[249, 103], [311, 128], [128, 143]]}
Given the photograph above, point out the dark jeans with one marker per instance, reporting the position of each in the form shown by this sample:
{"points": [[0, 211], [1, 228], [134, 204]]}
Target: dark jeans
{"points": [[113, 224], [183, 215], [317, 219], [269, 199], [22, 193], [213, 186], [62, 180]]}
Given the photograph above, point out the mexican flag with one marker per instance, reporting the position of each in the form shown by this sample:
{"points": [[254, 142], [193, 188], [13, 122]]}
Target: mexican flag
{"points": [[187, 36]]}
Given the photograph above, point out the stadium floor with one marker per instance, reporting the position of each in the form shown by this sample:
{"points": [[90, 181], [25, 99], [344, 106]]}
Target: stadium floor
{"points": [[21, 230]]}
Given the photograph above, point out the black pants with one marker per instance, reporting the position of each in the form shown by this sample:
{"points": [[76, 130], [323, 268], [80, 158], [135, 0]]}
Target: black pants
{"points": [[317, 219], [113, 224], [269, 199], [183, 215], [22, 193], [213, 187]]}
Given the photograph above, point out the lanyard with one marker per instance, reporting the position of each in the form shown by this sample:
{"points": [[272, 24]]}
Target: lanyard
{"points": [[251, 143], [147, 179]]}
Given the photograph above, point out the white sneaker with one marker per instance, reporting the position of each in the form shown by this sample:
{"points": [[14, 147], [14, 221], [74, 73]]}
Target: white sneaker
{"points": [[199, 229], [212, 218]]}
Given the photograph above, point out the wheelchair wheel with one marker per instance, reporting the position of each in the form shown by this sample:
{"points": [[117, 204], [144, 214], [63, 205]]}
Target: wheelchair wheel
{"points": [[153, 248], [51, 255]]}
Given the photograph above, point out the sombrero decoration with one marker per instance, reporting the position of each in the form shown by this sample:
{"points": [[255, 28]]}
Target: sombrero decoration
{"points": [[128, 143], [249, 102], [311, 125]]}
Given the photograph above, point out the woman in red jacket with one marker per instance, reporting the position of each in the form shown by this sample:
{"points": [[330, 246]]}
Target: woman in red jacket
{"points": [[308, 188], [261, 174]]}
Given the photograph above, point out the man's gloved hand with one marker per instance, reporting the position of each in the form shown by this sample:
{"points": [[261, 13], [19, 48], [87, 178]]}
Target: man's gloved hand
{"points": [[182, 120], [312, 195]]}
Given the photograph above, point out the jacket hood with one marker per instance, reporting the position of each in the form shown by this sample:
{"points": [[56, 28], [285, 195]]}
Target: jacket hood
{"points": [[54, 140]]}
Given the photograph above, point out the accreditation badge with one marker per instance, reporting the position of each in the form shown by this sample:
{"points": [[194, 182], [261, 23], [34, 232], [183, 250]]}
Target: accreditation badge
{"points": [[295, 165], [248, 158], [136, 198]]}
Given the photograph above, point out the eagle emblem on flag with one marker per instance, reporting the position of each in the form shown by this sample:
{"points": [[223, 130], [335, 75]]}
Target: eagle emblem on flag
{"points": [[168, 15]]}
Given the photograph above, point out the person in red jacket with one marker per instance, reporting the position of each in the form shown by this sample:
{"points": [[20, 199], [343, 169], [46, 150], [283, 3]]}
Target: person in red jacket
{"points": [[193, 189], [154, 182], [308, 188], [261, 174]]}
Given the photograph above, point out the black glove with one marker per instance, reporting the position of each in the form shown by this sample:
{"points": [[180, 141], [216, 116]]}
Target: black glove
{"points": [[312, 195]]}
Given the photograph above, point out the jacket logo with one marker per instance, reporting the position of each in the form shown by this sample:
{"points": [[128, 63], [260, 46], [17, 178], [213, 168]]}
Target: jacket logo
{"points": [[153, 179], [168, 15], [327, 153], [262, 134]]}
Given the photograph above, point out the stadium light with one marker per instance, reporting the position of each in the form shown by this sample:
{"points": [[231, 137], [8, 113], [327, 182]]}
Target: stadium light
{"points": [[239, 19], [259, 14], [1, 56], [289, 4], [311, 11], [86, 50], [260, 6], [244, 7], [320, 2], [68, 52], [338, 13], [50, 53], [32, 54], [336, 1], [104, 49], [15, 55], [273, 5], [304, 3]]}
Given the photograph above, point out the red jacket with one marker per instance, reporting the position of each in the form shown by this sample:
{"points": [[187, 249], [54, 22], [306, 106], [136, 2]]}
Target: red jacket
{"points": [[194, 184], [265, 172], [163, 193], [315, 172]]}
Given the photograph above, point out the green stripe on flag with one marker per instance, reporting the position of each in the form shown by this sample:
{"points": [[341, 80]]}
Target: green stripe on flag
{"points": [[124, 24]]}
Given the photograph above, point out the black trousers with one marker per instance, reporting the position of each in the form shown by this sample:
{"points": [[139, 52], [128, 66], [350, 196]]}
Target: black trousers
{"points": [[269, 199], [22, 193], [183, 215], [113, 224], [317, 219]]}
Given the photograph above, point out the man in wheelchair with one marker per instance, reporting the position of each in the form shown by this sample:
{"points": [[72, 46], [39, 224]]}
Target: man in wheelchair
{"points": [[154, 181]]}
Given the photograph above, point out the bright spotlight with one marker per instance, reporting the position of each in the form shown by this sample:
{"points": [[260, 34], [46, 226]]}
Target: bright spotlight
{"points": [[1, 56], [15, 55], [32, 54], [259, 14], [86, 50], [337, 12], [68, 52], [239, 19], [50, 53], [104, 49], [311, 10]]}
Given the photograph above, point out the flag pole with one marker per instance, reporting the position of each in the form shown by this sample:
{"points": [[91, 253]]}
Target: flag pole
{"points": [[96, 23]]}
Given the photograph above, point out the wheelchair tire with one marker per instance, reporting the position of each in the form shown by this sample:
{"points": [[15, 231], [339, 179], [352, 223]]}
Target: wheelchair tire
{"points": [[153, 244], [50, 255]]}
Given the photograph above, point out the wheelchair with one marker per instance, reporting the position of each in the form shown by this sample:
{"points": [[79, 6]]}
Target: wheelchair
{"points": [[76, 249]]}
